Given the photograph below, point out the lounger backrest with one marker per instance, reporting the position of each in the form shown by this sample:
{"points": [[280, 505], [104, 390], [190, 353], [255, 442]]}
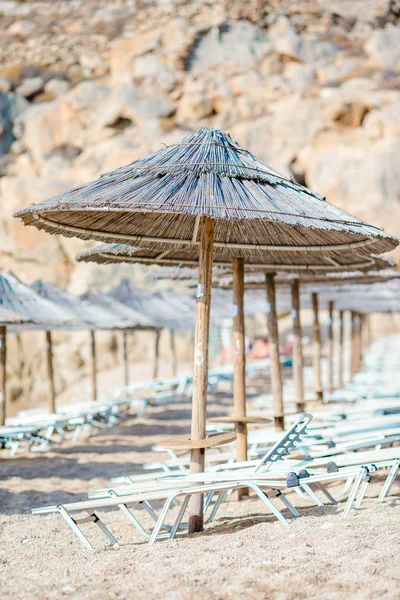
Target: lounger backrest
{"points": [[285, 445]]}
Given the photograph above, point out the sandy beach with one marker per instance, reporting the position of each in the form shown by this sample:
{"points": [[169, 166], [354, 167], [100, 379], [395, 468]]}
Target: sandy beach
{"points": [[244, 553]]}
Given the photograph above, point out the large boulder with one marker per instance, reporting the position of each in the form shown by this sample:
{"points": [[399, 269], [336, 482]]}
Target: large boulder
{"points": [[238, 44], [384, 48]]}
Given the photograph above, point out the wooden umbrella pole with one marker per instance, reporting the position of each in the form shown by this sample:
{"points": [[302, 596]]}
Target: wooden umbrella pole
{"points": [[341, 350], [317, 348], [297, 347], [275, 365], [360, 349], [3, 373], [156, 355], [353, 349], [200, 364], [126, 359], [93, 358], [330, 347], [50, 372], [173, 353], [239, 357]]}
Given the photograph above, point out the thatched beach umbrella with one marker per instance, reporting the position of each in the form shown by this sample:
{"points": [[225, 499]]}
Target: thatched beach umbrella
{"points": [[134, 319], [329, 283], [166, 308], [34, 313], [7, 318], [87, 316], [206, 199]]}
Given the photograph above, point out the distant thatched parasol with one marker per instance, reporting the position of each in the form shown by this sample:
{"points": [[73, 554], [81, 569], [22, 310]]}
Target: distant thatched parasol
{"points": [[33, 312], [167, 309], [134, 320], [7, 318], [87, 316], [206, 199]]}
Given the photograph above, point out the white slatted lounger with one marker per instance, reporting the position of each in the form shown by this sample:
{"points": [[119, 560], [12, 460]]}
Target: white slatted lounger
{"points": [[157, 492]]}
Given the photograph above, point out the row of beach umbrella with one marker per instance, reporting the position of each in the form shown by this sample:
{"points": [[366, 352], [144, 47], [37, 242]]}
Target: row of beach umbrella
{"points": [[206, 202]]}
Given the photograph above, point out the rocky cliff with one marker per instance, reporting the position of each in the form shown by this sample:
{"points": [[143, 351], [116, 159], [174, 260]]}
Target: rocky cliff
{"points": [[310, 86]]}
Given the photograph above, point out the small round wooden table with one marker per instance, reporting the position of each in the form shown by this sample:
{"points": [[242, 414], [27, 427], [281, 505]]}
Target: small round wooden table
{"points": [[185, 442]]}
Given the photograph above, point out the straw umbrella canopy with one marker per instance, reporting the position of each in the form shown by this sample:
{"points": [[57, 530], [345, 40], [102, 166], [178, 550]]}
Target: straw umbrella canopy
{"points": [[167, 309], [206, 199], [87, 316], [33, 313], [134, 319], [7, 317]]}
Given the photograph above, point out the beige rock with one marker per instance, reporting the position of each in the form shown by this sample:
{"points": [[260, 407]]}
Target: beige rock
{"points": [[22, 28], [384, 48], [126, 49]]}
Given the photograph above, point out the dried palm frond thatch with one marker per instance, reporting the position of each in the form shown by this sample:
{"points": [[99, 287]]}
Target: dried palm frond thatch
{"points": [[133, 318], [167, 309], [23, 300], [9, 317], [156, 202], [87, 315]]}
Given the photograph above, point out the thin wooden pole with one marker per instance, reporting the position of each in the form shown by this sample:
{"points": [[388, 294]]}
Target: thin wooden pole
{"points": [[353, 350], [93, 360], [156, 354], [359, 347], [3, 373], [173, 353], [317, 348], [330, 346], [297, 347], [50, 372], [200, 364], [239, 357], [126, 359], [341, 350], [275, 365]]}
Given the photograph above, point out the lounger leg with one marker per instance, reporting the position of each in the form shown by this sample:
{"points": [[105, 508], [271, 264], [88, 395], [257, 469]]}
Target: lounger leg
{"points": [[162, 516], [352, 495], [179, 517], [389, 480], [287, 503], [347, 486], [311, 494], [363, 489], [153, 515], [221, 498], [133, 520], [300, 493], [325, 492], [104, 529], [64, 513], [263, 496]]}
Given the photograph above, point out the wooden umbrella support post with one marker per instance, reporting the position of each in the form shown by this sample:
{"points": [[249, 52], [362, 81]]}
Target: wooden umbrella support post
{"points": [[239, 358], [275, 365], [297, 347], [317, 349], [355, 342], [330, 347], [156, 354], [93, 360], [173, 353], [3, 374], [50, 372], [341, 350], [200, 364], [126, 359]]}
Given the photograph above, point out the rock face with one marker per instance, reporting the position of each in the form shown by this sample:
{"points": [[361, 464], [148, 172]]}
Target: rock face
{"points": [[312, 89]]}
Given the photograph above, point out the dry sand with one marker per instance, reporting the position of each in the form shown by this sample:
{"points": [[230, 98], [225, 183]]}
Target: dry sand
{"points": [[245, 553]]}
